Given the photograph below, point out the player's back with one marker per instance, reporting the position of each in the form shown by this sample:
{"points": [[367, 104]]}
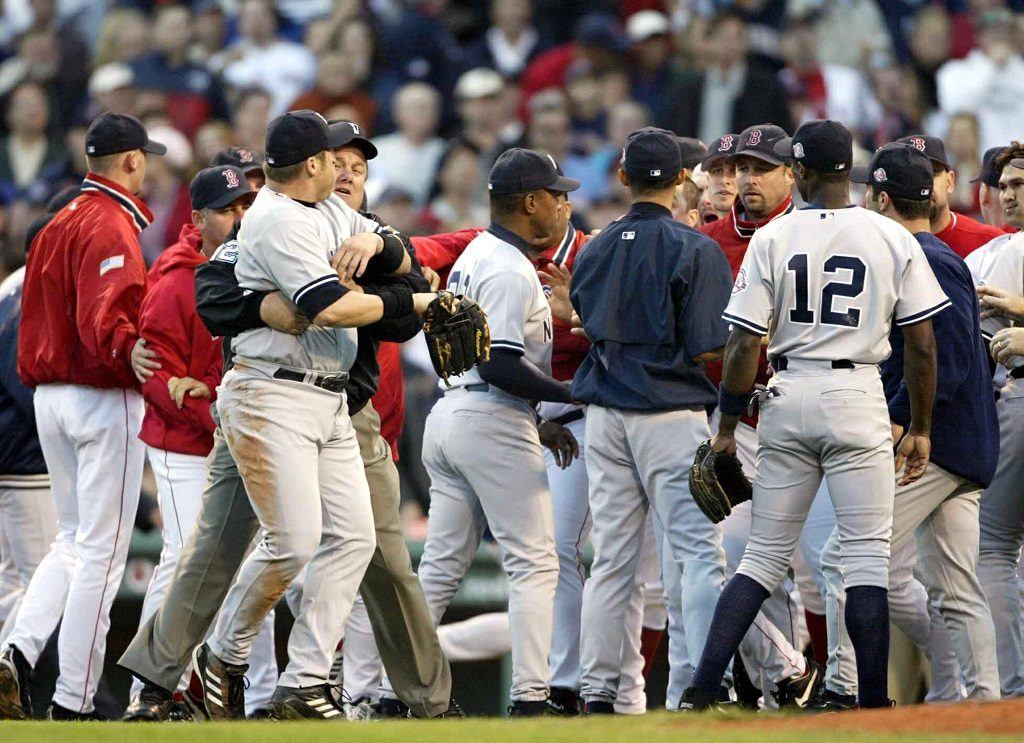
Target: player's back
{"points": [[835, 279]]}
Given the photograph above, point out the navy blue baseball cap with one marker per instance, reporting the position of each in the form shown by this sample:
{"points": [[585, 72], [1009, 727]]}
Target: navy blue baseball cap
{"points": [[354, 138], [241, 157], [651, 154], [519, 171], [723, 147], [759, 141], [603, 30], [692, 151], [989, 175], [111, 133], [822, 145], [900, 170], [296, 135], [218, 186], [933, 148]]}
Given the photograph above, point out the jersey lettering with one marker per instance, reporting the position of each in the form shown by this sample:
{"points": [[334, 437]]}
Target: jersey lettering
{"points": [[227, 252], [458, 283], [802, 312]]}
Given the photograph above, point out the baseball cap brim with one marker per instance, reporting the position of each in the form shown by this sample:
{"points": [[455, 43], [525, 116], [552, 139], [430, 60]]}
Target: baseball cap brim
{"points": [[339, 134], [230, 197], [764, 156], [154, 148], [860, 174], [564, 184]]}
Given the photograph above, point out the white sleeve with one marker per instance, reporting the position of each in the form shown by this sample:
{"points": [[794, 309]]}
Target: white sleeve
{"points": [[349, 217], [919, 295], [294, 255], [505, 296], [753, 294]]}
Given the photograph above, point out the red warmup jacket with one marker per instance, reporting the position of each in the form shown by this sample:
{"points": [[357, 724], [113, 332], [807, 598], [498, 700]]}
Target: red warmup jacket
{"points": [[172, 328], [389, 400], [733, 236], [440, 252], [965, 235], [84, 283]]}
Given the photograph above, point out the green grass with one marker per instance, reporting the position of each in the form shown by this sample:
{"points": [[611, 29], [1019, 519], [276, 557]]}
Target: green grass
{"points": [[659, 726]]}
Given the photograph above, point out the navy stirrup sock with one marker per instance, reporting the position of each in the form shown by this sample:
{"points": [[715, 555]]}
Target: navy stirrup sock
{"points": [[867, 621], [738, 605]]}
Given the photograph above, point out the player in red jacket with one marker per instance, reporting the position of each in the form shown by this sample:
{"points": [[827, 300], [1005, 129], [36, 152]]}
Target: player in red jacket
{"points": [[84, 283], [178, 427]]}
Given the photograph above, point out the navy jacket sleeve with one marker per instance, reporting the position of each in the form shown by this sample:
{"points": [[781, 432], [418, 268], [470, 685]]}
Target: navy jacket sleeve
{"points": [[701, 288], [18, 392], [403, 328], [224, 307]]}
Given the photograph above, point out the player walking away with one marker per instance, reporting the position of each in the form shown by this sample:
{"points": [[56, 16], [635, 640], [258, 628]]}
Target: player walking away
{"points": [[960, 232], [827, 302], [999, 265], [988, 191], [84, 282], [482, 440], [720, 193], [178, 427], [942, 506], [647, 397]]}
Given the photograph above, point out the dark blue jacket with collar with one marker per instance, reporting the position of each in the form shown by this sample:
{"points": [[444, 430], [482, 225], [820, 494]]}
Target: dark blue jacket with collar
{"points": [[20, 453], [651, 293]]}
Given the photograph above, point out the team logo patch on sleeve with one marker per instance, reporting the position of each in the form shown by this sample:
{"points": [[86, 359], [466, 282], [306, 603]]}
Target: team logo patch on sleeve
{"points": [[628, 235], [741, 281], [109, 264]]}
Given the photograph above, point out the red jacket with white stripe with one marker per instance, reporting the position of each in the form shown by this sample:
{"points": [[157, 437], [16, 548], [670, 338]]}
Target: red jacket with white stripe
{"points": [[84, 282], [171, 326]]}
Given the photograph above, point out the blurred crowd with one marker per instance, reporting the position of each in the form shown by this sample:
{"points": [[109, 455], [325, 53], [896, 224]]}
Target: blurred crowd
{"points": [[443, 86]]}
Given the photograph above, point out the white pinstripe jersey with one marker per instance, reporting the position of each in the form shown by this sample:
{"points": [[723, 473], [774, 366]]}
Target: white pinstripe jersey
{"points": [[826, 284], [999, 263]]}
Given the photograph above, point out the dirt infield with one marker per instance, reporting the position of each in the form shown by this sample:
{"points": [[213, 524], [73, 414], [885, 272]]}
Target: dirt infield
{"points": [[1002, 718]]}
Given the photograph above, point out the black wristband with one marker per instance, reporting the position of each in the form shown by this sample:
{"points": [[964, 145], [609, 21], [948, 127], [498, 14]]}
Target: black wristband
{"points": [[732, 403], [390, 257], [397, 302], [251, 309]]}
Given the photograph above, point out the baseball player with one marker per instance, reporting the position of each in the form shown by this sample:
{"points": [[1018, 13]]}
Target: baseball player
{"points": [[720, 194], [482, 439], [827, 302], [83, 284], [988, 191], [942, 506], [999, 265], [633, 289], [178, 427], [246, 160], [960, 232]]}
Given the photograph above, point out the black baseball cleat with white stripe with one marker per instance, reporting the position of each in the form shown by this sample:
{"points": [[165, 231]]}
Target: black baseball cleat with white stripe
{"points": [[314, 702], [15, 672], [220, 693], [801, 690]]}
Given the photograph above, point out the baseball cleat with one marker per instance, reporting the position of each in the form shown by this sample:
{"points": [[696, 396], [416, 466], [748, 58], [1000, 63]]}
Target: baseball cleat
{"points": [[695, 700], [391, 707], [56, 713], [311, 703], [801, 690], [564, 702], [152, 704], [15, 703], [361, 709], [523, 708], [831, 701], [220, 691], [598, 707]]}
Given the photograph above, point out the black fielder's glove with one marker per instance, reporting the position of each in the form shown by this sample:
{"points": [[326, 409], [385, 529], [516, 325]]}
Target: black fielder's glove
{"points": [[458, 335], [717, 482]]}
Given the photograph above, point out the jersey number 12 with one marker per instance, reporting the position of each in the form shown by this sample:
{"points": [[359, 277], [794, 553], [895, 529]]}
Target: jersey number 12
{"points": [[803, 313]]}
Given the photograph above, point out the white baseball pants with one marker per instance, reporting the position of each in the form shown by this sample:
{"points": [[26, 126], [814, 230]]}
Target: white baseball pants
{"points": [[28, 524]]}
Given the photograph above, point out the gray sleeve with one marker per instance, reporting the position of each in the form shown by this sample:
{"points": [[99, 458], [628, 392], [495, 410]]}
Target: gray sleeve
{"points": [[295, 256]]}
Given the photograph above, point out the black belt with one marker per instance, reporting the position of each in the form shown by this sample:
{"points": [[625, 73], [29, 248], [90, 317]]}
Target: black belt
{"points": [[330, 381], [476, 387], [571, 417], [780, 363], [1017, 373]]}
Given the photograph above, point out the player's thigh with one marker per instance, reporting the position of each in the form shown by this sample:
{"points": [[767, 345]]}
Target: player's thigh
{"points": [[1002, 502], [344, 492], [570, 498], [915, 502], [52, 403], [180, 479], [28, 523], [948, 538]]}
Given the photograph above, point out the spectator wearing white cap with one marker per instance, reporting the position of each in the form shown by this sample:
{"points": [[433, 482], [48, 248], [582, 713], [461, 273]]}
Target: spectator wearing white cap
{"points": [[510, 42], [166, 191], [650, 50], [408, 157], [111, 88], [479, 107]]}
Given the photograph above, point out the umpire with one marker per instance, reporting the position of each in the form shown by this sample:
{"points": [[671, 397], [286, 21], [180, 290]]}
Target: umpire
{"points": [[650, 292], [402, 626]]}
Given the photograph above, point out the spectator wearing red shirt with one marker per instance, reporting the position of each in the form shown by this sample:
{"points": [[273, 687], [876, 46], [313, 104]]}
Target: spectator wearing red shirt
{"points": [[178, 428], [963, 234]]}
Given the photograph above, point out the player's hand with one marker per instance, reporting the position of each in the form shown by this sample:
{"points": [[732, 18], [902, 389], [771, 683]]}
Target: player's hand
{"points": [[557, 279], [912, 457], [997, 302], [560, 441], [724, 441], [180, 387], [422, 300], [897, 433], [433, 277], [1006, 343], [142, 360], [279, 313], [577, 326], [355, 253]]}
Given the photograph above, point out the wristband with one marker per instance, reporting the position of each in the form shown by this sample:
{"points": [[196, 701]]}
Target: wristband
{"points": [[732, 403], [390, 257], [397, 302]]}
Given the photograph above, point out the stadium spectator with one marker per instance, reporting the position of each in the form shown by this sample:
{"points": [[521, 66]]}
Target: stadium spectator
{"points": [[962, 138], [111, 88], [650, 51], [30, 159], [336, 85], [988, 81], [931, 41], [166, 192], [408, 157], [250, 118], [477, 97], [851, 31], [510, 42], [458, 204], [261, 58], [732, 93], [123, 37]]}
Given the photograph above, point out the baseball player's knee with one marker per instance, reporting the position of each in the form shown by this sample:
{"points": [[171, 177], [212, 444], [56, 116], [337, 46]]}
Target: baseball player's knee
{"points": [[291, 551], [767, 568], [541, 568]]}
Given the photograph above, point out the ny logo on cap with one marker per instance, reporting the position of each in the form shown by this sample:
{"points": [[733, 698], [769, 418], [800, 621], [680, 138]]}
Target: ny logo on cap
{"points": [[231, 178], [798, 150], [355, 127], [725, 144], [879, 174], [755, 137], [918, 142]]}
